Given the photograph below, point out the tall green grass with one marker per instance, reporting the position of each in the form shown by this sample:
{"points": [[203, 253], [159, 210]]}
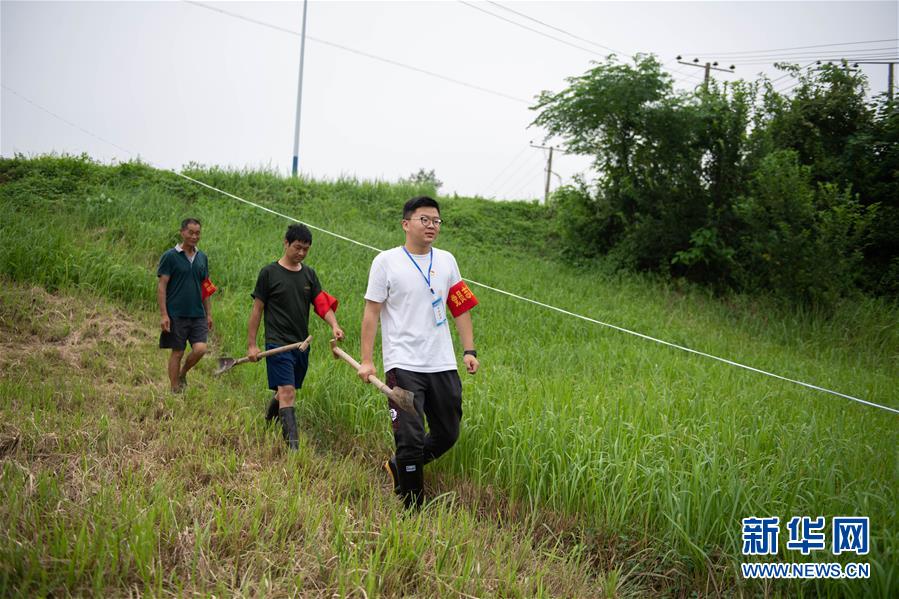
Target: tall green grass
{"points": [[648, 446], [110, 485]]}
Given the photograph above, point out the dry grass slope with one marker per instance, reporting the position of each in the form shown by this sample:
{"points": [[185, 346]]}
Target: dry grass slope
{"points": [[110, 485]]}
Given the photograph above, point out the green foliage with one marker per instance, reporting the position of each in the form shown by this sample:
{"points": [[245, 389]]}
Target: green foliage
{"points": [[649, 456], [582, 231], [798, 240], [427, 180], [735, 186]]}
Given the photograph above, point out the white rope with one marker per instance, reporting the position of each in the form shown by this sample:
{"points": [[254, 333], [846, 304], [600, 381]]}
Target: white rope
{"points": [[488, 287], [255, 205], [560, 310]]}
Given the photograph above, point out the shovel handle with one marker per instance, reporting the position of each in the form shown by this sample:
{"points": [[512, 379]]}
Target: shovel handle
{"points": [[339, 353], [302, 345]]}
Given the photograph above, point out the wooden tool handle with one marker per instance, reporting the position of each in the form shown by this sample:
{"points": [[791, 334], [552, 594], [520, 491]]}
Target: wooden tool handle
{"points": [[345, 357], [302, 345], [339, 353]]}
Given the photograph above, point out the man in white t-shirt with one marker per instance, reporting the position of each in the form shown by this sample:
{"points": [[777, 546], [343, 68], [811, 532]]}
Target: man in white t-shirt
{"points": [[410, 289]]}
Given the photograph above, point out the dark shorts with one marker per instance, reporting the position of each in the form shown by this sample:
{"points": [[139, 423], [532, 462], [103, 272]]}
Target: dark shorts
{"points": [[286, 369], [183, 330]]}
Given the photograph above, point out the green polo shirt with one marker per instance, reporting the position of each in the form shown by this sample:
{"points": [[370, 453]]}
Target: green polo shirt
{"points": [[183, 298]]}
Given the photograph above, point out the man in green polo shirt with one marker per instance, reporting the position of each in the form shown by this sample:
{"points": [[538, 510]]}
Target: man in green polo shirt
{"points": [[185, 308]]}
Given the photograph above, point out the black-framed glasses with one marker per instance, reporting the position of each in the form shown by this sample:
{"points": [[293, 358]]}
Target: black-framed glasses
{"points": [[427, 221]]}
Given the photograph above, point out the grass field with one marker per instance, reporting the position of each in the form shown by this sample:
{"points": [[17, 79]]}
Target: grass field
{"points": [[590, 463]]}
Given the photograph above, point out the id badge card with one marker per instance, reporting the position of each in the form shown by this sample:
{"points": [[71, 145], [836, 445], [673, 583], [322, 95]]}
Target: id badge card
{"points": [[439, 311]]}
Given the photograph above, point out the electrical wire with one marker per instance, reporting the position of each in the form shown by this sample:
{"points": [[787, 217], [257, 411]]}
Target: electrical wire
{"points": [[502, 171], [357, 52], [477, 283], [560, 30], [520, 193], [770, 50], [513, 175], [537, 31]]}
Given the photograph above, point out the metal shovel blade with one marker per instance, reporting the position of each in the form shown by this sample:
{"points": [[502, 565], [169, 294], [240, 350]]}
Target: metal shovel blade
{"points": [[403, 399], [225, 364]]}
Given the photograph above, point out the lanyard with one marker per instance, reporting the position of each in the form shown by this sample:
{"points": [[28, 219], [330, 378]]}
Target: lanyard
{"points": [[418, 268]]}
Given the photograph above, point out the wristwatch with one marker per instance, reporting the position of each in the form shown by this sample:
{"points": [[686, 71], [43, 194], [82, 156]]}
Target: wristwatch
{"points": [[470, 352]]}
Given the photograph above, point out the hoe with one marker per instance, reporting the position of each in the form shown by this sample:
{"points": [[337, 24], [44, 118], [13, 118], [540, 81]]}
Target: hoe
{"points": [[400, 396], [226, 364]]}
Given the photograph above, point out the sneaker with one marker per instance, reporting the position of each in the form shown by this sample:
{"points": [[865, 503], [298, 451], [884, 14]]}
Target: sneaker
{"points": [[390, 467], [272, 411], [182, 382]]}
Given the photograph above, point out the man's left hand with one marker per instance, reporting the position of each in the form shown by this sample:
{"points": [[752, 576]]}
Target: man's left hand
{"points": [[471, 364], [337, 332], [209, 322]]}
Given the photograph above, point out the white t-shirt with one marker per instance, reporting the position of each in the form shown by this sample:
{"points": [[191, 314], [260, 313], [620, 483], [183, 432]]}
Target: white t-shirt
{"points": [[410, 336]]}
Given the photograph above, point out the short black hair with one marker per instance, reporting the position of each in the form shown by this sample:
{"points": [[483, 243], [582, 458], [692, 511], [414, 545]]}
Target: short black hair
{"points": [[298, 232], [189, 221], [418, 202]]}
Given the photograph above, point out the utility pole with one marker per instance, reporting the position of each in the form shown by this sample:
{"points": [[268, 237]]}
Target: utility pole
{"points": [[549, 171], [296, 138], [890, 79], [890, 82], [709, 66]]}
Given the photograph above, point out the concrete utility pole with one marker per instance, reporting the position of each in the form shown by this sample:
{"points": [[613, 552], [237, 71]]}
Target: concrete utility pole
{"points": [[549, 170], [890, 79], [890, 82], [709, 66], [296, 138]]}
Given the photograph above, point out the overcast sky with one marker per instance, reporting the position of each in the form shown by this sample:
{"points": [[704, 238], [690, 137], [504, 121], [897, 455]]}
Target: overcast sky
{"points": [[175, 82]]}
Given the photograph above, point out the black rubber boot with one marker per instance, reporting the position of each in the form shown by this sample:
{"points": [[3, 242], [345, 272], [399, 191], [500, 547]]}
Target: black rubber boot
{"points": [[289, 427], [272, 411], [390, 467], [411, 476]]}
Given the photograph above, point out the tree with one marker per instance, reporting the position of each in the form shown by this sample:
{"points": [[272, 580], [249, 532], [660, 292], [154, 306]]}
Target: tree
{"points": [[735, 185], [424, 178]]}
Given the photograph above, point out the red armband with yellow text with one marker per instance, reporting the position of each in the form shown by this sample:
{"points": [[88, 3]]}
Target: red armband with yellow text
{"points": [[207, 288], [324, 302], [461, 299]]}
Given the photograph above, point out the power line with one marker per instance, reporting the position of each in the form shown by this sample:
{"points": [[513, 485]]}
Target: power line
{"points": [[838, 59], [537, 31], [815, 52], [488, 287], [807, 55], [520, 190], [68, 122], [788, 87], [741, 52], [513, 175], [789, 74], [560, 30], [502, 171], [389, 61]]}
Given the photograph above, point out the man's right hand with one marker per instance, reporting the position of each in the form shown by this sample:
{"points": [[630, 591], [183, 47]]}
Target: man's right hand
{"points": [[366, 369], [253, 353], [166, 324]]}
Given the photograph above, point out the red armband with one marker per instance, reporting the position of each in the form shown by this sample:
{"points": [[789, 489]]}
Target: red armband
{"points": [[324, 302], [207, 288], [460, 299]]}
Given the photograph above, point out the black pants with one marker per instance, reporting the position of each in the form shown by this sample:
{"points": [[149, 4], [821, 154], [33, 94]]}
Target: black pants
{"points": [[438, 396]]}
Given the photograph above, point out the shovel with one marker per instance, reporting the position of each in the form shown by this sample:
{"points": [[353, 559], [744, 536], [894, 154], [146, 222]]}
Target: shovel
{"points": [[226, 364], [402, 398]]}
